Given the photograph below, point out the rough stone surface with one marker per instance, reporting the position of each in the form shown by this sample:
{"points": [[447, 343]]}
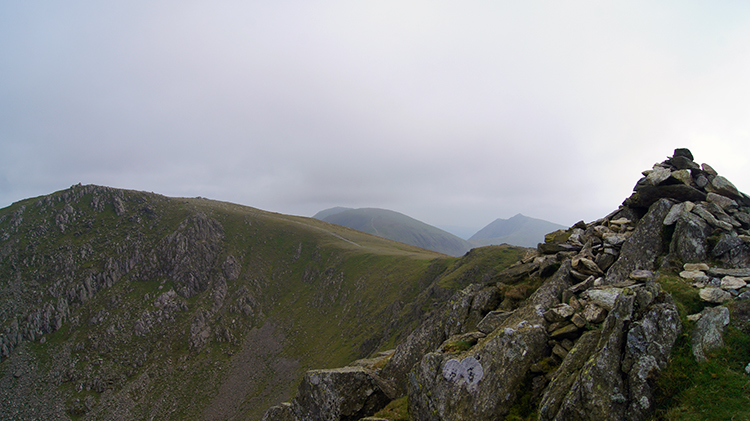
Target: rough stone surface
{"points": [[708, 333], [689, 241], [714, 295], [643, 246], [647, 349], [348, 393], [505, 356], [731, 282], [283, 412], [604, 297], [596, 392]]}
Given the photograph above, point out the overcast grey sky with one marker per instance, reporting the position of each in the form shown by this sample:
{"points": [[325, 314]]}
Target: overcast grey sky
{"points": [[454, 113]]}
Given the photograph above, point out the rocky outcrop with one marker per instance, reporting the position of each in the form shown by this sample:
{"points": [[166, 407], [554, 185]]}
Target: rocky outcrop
{"points": [[589, 342]]}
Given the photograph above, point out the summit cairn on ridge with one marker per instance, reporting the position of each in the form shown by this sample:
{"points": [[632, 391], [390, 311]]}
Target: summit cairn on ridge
{"points": [[588, 343]]}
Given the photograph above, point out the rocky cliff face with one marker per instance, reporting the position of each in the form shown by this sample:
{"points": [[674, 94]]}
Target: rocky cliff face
{"points": [[593, 336]]}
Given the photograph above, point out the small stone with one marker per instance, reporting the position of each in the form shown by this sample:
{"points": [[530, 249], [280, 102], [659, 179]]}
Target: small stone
{"points": [[684, 176], [578, 320], [701, 181], [744, 296], [723, 186], [604, 298], [566, 331], [694, 317], [641, 275], [573, 302], [730, 282], [714, 295], [722, 201], [594, 314], [747, 368], [560, 351], [658, 175], [674, 214], [694, 275], [708, 170], [695, 266]]}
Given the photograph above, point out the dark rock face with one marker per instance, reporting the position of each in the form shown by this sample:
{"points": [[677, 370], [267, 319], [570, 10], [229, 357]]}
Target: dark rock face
{"points": [[345, 394], [644, 245]]}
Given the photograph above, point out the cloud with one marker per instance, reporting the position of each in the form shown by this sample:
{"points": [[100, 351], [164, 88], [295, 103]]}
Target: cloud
{"points": [[447, 112]]}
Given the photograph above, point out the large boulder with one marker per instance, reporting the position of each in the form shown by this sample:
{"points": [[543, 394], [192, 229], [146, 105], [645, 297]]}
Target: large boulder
{"points": [[689, 241], [708, 334], [442, 386], [340, 394]]}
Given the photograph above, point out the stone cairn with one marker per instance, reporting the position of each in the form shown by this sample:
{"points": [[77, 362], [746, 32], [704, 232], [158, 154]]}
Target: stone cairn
{"points": [[590, 338]]}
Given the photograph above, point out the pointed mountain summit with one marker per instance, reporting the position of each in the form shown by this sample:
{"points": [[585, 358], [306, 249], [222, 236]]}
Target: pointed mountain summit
{"points": [[397, 227], [520, 230]]}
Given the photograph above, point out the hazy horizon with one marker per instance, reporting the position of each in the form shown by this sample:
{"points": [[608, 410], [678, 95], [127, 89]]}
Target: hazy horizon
{"points": [[454, 114]]}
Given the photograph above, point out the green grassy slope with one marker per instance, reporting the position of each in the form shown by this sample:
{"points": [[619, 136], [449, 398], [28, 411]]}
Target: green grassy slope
{"points": [[119, 304]]}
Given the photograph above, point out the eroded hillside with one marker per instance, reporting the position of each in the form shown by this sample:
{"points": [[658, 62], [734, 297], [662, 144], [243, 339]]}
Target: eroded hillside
{"points": [[129, 305]]}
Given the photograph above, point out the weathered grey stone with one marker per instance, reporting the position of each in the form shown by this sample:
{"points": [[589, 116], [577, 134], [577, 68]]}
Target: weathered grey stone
{"points": [[348, 393], [708, 334], [604, 298], [708, 169], [721, 201], [579, 320], [283, 412], [658, 175], [643, 245], [647, 350], [694, 275], [641, 275], [605, 259], [593, 313], [492, 320], [683, 163], [695, 267], [505, 357], [732, 250], [714, 295], [567, 374], [683, 176], [723, 187], [689, 241], [570, 330], [559, 313], [704, 213], [676, 212], [596, 392], [721, 272], [646, 196], [743, 218], [701, 181], [731, 282]]}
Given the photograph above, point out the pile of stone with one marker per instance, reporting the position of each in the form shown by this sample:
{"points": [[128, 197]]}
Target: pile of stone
{"points": [[718, 285]]}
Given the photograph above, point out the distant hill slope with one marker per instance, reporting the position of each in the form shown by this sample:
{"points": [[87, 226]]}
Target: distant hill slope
{"points": [[519, 230], [397, 227], [118, 304]]}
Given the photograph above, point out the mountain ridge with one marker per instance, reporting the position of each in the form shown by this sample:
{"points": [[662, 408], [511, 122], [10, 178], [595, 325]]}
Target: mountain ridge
{"points": [[398, 227], [518, 230]]}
